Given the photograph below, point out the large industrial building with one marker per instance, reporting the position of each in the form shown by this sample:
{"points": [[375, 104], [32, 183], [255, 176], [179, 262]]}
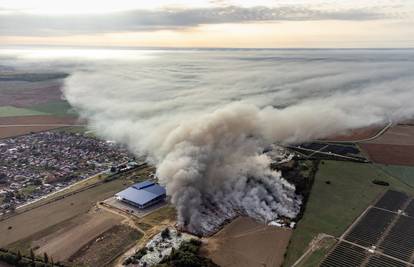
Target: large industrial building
{"points": [[142, 195]]}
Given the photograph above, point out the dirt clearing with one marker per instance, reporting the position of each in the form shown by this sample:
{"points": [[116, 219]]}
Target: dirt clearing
{"points": [[66, 241], [247, 243], [106, 247]]}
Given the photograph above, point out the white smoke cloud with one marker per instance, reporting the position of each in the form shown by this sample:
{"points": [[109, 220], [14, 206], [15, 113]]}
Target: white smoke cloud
{"points": [[204, 117]]}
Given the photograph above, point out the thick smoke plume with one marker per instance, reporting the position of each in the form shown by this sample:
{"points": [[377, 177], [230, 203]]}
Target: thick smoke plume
{"points": [[204, 117]]}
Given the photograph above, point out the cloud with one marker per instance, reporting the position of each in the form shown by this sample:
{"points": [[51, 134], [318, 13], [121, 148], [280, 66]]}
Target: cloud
{"points": [[23, 24]]}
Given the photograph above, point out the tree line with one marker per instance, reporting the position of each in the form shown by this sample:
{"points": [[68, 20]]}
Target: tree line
{"points": [[19, 260]]}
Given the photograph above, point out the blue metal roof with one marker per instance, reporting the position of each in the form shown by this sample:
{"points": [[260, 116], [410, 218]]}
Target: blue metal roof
{"points": [[147, 192], [143, 184]]}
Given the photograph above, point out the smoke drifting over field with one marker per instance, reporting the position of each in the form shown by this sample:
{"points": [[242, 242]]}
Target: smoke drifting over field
{"points": [[204, 117]]}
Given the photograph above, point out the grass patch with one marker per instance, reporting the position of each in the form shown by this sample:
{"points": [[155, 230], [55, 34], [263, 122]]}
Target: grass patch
{"points": [[318, 255], [28, 190], [331, 208], [144, 226], [165, 213], [10, 111]]}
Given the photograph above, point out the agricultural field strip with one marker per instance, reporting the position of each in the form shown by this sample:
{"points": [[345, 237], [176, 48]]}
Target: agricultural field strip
{"points": [[381, 239]]}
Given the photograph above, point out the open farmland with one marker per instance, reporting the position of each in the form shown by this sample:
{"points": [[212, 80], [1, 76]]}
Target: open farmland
{"points": [[20, 125], [10, 111], [390, 154], [43, 218], [13, 131], [396, 135], [333, 206], [404, 173], [77, 233], [44, 119], [247, 243], [356, 134], [106, 247], [25, 90], [395, 146]]}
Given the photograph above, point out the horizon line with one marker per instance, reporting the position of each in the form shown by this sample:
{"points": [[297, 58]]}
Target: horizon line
{"points": [[2, 46]]}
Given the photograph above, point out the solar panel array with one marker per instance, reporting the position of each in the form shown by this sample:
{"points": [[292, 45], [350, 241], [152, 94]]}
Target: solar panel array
{"points": [[383, 261], [384, 236], [371, 227], [354, 256], [392, 201], [399, 242]]}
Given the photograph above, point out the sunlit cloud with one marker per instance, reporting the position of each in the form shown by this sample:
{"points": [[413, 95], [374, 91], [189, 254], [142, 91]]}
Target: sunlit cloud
{"points": [[180, 23]]}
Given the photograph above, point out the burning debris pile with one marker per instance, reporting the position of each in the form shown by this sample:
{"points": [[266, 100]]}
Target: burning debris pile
{"points": [[215, 170], [158, 247]]}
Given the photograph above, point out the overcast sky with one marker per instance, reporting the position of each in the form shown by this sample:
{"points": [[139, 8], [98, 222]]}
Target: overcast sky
{"points": [[214, 23]]}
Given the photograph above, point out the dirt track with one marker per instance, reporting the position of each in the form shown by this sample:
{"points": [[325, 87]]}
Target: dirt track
{"points": [[246, 243]]}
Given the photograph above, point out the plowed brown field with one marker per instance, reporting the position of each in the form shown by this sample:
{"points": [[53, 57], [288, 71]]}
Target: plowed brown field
{"points": [[247, 243]]}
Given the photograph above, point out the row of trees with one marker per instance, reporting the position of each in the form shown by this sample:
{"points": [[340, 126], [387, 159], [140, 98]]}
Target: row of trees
{"points": [[17, 259], [187, 255]]}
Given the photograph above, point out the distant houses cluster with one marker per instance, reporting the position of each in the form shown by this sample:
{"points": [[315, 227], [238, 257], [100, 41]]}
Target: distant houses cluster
{"points": [[36, 164]]}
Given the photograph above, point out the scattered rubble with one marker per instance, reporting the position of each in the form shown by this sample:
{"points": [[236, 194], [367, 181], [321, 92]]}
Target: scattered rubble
{"points": [[158, 247]]}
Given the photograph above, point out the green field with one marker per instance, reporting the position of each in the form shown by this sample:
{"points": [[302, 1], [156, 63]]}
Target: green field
{"points": [[331, 208], [57, 108], [404, 173], [9, 111]]}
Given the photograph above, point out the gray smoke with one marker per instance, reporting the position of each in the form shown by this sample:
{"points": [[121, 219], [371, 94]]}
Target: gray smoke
{"points": [[204, 117]]}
